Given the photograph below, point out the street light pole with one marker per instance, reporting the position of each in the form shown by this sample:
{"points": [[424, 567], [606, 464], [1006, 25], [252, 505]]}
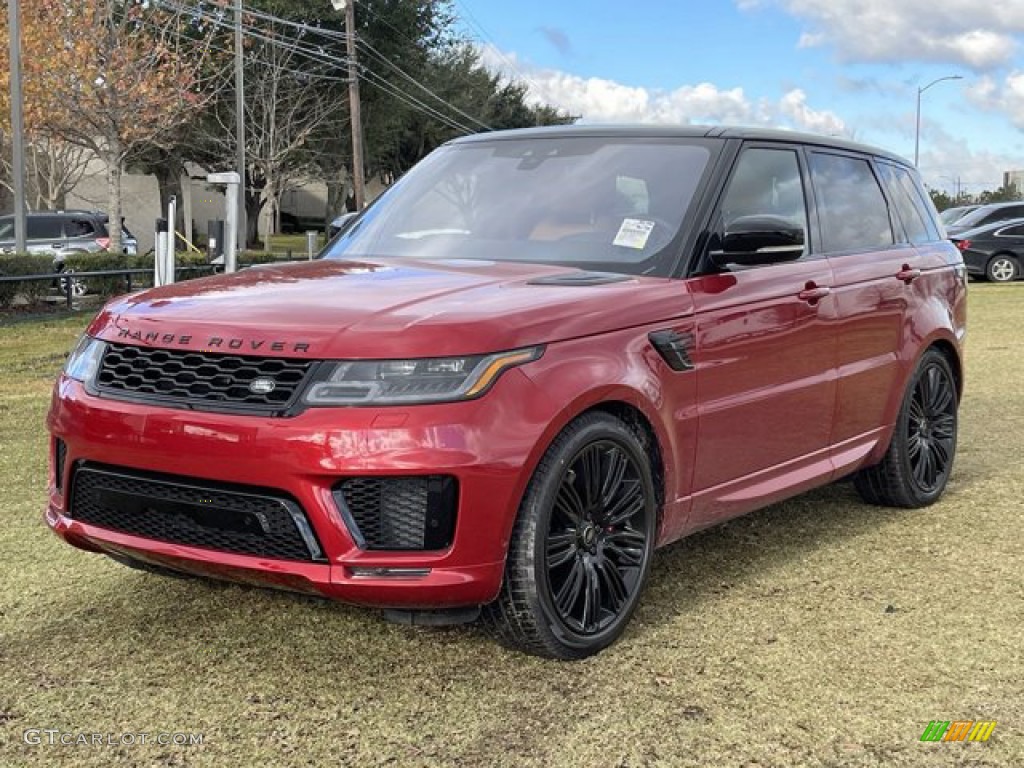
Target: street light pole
{"points": [[242, 230], [917, 129], [358, 185], [17, 126]]}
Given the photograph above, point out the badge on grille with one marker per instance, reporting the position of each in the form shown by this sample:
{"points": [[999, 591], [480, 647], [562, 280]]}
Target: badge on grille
{"points": [[262, 386]]}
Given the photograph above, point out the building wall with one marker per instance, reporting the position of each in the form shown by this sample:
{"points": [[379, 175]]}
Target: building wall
{"points": [[1015, 178]]}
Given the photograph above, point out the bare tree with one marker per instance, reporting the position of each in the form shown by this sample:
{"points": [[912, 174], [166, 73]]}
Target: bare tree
{"points": [[288, 99], [52, 170]]}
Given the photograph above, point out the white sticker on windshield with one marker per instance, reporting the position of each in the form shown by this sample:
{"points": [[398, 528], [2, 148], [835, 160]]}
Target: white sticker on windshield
{"points": [[634, 233]]}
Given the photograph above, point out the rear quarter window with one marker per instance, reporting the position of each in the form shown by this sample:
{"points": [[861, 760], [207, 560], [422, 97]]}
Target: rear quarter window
{"points": [[917, 217]]}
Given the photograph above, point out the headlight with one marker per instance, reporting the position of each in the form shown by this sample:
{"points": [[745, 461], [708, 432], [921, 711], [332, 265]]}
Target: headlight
{"points": [[84, 360], [436, 380]]}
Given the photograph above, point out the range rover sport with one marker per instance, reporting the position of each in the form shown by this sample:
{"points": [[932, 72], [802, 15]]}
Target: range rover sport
{"points": [[540, 355]]}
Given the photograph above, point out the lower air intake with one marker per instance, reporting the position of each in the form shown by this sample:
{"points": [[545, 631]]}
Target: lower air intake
{"points": [[399, 513]]}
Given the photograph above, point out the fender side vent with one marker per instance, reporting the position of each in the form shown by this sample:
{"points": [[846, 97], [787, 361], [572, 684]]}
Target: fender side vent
{"points": [[674, 347]]}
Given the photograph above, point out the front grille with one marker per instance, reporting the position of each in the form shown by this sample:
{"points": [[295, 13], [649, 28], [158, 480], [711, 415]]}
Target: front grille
{"points": [[183, 511], [211, 380], [60, 456], [399, 512]]}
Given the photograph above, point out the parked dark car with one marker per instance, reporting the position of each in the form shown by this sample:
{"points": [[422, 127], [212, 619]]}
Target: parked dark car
{"points": [[537, 357], [994, 252], [340, 223], [951, 216], [294, 224], [993, 213]]}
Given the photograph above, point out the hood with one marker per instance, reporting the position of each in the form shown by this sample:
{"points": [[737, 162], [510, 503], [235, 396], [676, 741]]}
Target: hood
{"points": [[388, 308]]}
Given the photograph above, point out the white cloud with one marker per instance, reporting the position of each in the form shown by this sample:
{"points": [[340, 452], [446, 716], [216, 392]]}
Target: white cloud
{"points": [[598, 100], [794, 106], [978, 35], [1006, 97]]}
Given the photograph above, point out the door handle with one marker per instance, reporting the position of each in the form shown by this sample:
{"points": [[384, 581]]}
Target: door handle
{"points": [[812, 294], [907, 274]]}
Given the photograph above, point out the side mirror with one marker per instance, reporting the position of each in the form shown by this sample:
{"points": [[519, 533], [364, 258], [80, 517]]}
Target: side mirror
{"points": [[762, 239]]}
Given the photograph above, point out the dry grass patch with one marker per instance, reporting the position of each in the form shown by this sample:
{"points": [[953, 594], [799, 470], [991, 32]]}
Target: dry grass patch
{"points": [[819, 632]]}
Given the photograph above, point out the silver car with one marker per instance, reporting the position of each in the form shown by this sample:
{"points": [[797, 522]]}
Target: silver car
{"points": [[64, 232]]}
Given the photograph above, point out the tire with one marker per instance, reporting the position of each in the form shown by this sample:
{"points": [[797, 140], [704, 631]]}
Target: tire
{"points": [[916, 467], [1002, 268], [78, 286], [581, 547]]}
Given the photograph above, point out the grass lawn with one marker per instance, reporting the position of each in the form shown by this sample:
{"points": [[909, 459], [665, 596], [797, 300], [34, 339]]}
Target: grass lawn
{"points": [[819, 632]]}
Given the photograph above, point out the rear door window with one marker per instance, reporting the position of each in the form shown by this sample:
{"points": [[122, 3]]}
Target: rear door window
{"points": [[852, 210], [44, 228]]}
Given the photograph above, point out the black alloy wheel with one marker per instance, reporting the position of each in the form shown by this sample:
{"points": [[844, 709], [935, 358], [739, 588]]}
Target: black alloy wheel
{"points": [[582, 544], [931, 428], [917, 465]]}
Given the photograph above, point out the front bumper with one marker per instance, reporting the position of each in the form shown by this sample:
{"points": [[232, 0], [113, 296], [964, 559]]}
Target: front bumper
{"points": [[485, 444]]}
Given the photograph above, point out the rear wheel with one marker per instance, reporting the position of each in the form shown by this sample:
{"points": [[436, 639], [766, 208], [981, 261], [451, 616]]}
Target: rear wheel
{"points": [[916, 467], [1002, 269], [581, 546]]}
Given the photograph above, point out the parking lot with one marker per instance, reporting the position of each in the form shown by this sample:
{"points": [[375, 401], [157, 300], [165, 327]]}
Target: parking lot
{"points": [[819, 632]]}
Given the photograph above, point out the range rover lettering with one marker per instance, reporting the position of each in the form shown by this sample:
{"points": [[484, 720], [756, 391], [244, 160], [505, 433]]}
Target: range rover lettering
{"points": [[537, 357]]}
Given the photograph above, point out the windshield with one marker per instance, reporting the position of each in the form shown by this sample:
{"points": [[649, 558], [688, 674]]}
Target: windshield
{"points": [[613, 204]]}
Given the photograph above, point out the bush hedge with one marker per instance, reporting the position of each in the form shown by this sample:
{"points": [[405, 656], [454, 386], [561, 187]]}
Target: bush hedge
{"points": [[24, 264], [35, 290]]}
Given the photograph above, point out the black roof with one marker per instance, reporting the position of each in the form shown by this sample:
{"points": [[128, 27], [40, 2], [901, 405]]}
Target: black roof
{"points": [[748, 133]]}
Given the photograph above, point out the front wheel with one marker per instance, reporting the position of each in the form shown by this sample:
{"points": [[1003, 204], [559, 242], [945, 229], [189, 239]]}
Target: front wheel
{"points": [[581, 545], [916, 468]]}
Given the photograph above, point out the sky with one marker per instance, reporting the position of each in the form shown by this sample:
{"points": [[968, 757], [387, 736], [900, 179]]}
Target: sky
{"points": [[850, 68]]}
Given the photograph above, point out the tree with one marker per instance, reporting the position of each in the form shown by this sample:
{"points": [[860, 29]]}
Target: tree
{"points": [[290, 94], [52, 170], [114, 77]]}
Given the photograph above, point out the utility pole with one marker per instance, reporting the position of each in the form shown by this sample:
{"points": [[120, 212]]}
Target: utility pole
{"points": [[242, 229], [358, 185], [17, 126]]}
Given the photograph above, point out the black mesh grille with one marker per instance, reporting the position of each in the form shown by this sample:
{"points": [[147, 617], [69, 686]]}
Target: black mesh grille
{"points": [[190, 513], [60, 455], [400, 512], [208, 378]]}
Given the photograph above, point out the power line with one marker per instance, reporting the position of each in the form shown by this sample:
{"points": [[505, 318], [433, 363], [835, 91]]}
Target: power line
{"points": [[380, 57], [319, 55], [474, 22]]}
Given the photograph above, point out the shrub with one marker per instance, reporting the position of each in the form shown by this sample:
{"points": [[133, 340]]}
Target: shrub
{"points": [[99, 262], [117, 284], [24, 264]]}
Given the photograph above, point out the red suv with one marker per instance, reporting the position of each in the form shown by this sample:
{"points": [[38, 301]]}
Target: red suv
{"points": [[539, 356]]}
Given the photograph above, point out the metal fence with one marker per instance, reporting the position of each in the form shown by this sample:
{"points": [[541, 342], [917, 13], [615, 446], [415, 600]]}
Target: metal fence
{"points": [[67, 279]]}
